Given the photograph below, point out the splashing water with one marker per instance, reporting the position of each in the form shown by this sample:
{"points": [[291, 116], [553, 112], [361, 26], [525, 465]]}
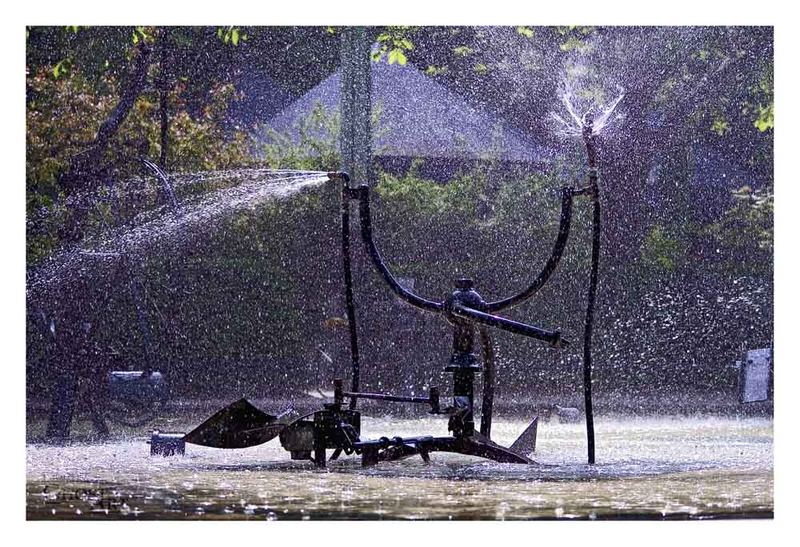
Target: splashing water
{"points": [[597, 113], [238, 190], [652, 468]]}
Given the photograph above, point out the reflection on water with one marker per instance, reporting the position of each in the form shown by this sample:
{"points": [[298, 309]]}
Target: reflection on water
{"points": [[647, 468]]}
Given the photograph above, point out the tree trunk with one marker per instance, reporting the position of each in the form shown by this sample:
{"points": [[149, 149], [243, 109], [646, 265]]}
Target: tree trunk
{"points": [[86, 165], [164, 116], [163, 97]]}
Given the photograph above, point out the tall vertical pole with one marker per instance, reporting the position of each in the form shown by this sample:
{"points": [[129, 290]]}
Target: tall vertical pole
{"points": [[356, 105], [591, 152], [355, 147]]}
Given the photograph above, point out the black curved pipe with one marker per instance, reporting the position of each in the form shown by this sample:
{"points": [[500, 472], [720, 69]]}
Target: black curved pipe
{"points": [[552, 262], [450, 308], [362, 193]]}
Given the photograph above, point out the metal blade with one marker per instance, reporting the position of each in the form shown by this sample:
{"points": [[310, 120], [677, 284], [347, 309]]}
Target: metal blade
{"points": [[238, 425], [526, 442], [496, 452]]}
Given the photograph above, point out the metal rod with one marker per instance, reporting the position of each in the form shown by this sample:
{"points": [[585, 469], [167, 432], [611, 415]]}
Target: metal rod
{"points": [[488, 381], [166, 185], [387, 397], [591, 152], [552, 262], [553, 337], [348, 291], [395, 441]]}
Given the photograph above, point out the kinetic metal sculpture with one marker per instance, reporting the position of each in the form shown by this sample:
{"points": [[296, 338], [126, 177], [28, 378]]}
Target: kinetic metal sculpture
{"points": [[338, 425]]}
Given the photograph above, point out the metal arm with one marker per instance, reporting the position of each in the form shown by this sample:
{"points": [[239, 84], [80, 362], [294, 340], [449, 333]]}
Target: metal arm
{"points": [[552, 262], [362, 194], [344, 179], [553, 337]]}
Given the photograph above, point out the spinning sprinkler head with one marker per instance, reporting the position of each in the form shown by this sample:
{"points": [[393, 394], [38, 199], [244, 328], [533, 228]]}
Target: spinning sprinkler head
{"points": [[587, 125]]}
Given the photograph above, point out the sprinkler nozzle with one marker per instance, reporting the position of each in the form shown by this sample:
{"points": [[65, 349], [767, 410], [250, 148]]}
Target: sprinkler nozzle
{"points": [[339, 176], [558, 342]]}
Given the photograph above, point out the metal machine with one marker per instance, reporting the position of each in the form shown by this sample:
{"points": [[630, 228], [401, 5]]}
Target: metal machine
{"points": [[337, 426]]}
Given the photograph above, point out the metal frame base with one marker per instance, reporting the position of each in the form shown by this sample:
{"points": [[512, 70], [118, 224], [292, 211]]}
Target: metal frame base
{"points": [[374, 452]]}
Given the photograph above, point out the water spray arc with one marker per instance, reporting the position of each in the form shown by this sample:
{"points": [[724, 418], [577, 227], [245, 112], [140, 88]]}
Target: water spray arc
{"points": [[133, 397]]}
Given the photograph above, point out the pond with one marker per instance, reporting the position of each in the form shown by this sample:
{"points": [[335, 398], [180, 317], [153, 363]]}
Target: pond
{"points": [[647, 468]]}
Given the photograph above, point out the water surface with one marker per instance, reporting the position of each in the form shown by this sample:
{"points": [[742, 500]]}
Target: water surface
{"points": [[654, 468]]}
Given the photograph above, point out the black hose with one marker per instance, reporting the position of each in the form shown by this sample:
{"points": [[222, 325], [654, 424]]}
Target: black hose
{"points": [[552, 262], [591, 151], [377, 259]]}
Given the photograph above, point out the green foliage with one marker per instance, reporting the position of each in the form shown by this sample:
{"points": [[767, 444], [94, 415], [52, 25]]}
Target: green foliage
{"points": [[463, 199], [574, 38], [527, 32], [62, 67], [397, 56], [720, 125], [764, 97], [436, 70], [660, 250], [313, 141], [766, 117], [231, 35], [481, 68], [411, 194], [142, 34], [311, 144], [394, 43], [59, 118], [199, 141], [63, 115], [744, 234], [746, 101]]}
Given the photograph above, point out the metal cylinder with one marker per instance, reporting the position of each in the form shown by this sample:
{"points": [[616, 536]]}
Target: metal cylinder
{"points": [[136, 385], [167, 444]]}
